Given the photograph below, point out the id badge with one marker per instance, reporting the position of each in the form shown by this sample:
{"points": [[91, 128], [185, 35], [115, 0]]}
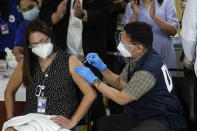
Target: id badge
{"points": [[41, 107], [4, 29]]}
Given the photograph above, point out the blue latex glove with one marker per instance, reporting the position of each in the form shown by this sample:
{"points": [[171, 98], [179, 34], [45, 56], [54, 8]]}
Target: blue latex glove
{"points": [[86, 73], [96, 61]]}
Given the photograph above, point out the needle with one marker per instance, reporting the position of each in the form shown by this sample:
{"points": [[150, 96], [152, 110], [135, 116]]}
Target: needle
{"points": [[87, 59]]}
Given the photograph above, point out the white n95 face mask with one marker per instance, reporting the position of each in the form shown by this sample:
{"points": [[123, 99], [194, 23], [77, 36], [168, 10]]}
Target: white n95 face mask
{"points": [[124, 52], [43, 50]]}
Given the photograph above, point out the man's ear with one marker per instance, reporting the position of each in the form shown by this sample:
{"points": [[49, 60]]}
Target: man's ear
{"points": [[140, 47]]}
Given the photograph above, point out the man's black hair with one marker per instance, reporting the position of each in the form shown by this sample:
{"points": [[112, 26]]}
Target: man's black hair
{"points": [[140, 32]]}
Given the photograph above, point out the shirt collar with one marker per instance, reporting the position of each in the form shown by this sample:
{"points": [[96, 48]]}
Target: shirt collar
{"points": [[142, 4], [132, 60]]}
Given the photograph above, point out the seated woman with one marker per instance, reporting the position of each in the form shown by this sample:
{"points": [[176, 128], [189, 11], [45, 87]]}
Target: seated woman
{"points": [[46, 65]]}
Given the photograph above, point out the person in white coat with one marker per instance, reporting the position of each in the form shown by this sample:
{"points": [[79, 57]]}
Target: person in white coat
{"points": [[189, 35]]}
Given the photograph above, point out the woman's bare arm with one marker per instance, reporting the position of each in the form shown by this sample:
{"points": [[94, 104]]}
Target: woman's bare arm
{"points": [[12, 87], [89, 95]]}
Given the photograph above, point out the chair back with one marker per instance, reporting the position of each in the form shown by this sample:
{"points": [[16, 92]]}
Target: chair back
{"points": [[186, 89]]}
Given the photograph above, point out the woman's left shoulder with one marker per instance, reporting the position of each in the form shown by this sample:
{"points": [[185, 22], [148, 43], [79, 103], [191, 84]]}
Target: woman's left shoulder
{"points": [[74, 61]]}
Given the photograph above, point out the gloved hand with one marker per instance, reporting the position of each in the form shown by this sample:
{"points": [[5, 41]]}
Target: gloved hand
{"points": [[96, 61], [86, 73]]}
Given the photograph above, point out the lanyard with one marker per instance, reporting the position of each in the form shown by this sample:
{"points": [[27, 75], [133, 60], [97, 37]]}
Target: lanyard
{"points": [[42, 100], [40, 88]]}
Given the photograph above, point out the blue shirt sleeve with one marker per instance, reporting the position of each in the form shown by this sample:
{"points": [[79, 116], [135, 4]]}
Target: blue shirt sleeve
{"points": [[171, 13], [17, 14], [13, 22], [128, 13], [20, 33]]}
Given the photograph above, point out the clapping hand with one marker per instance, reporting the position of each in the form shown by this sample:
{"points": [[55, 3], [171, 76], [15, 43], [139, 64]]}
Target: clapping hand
{"points": [[77, 9], [135, 8], [61, 9], [152, 9]]}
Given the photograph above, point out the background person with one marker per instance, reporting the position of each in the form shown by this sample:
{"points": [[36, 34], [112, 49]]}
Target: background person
{"points": [[189, 35], [30, 11], [87, 19], [161, 15]]}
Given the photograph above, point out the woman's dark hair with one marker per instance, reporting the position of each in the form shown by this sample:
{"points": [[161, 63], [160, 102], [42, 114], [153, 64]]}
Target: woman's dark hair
{"points": [[159, 1], [30, 59], [140, 32], [4, 9]]}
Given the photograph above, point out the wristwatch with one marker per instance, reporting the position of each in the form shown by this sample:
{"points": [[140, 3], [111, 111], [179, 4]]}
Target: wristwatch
{"points": [[82, 14], [96, 82]]}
